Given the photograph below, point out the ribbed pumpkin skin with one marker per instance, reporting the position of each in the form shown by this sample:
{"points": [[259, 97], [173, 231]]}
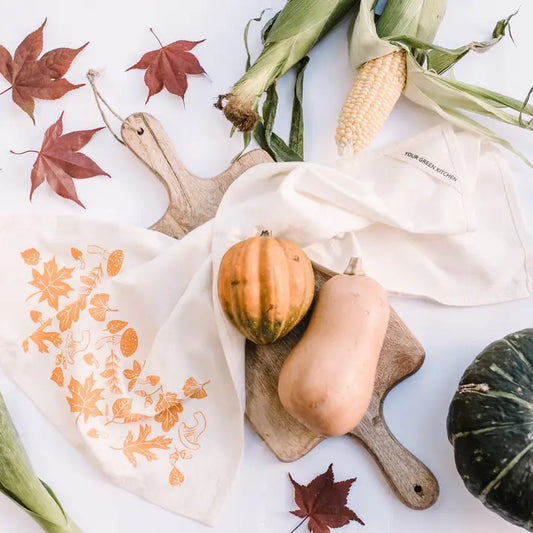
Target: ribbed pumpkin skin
{"points": [[265, 287], [490, 424]]}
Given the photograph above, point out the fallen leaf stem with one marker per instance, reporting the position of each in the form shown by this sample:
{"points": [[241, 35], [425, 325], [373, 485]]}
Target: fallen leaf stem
{"points": [[25, 152], [300, 524], [6, 90], [158, 40]]}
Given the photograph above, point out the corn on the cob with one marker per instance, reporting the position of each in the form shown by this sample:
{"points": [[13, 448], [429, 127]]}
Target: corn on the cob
{"points": [[376, 89], [381, 81], [299, 26]]}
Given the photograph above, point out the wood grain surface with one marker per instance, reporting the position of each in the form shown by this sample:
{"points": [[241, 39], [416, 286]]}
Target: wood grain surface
{"points": [[192, 200]]}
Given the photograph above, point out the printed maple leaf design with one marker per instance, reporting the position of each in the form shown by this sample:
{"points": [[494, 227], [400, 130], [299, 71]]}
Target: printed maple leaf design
{"points": [[142, 445], [51, 283], [58, 161], [84, 398], [168, 408], [323, 502], [37, 78], [168, 67]]}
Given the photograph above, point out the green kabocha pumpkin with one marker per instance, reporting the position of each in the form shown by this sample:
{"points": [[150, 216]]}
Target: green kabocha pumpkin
{"points": [[265, 287], [490, 424]]}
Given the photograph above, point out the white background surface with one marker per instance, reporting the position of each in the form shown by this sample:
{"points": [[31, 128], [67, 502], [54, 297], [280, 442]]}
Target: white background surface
{"points": [[416, 410]]}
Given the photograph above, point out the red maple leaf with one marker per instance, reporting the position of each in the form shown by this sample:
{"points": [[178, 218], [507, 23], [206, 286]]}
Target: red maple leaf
{"points": [[37, 78], [323, 502], [168, 67], [59, 161]]}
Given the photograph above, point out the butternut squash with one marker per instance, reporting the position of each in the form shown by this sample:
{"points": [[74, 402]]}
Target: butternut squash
{"points": [[327, 380]]}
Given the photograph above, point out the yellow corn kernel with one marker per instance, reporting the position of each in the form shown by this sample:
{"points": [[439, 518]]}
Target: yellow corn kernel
{"points": [[376, 89]]}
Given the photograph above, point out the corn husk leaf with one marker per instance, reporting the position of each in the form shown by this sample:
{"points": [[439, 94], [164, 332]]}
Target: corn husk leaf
{"points": [[263, 133], [438, 59], [448, 97], [416, 18], [19, 483], [288, 39]]}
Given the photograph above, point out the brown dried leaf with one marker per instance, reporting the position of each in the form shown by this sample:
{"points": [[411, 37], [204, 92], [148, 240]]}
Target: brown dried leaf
{"points": [[324, 502]]}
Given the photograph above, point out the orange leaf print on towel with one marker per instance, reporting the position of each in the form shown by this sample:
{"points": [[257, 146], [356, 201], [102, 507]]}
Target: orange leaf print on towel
{"points": [[95, 434], [84, 398], [168, 408], [57, 376], [114, 326], [91, 360], [77, 255], [40, 337], [100, 303], [153, 380], [193, 389], [31, 257], [176, 478], [91, 281], [122, 411], [71, 313], [133, 375], [142, 445], [51, 283], [112, 373]]}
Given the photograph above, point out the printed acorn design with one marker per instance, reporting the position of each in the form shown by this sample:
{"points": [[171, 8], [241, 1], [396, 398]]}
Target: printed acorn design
{"points": [[115, 259]]}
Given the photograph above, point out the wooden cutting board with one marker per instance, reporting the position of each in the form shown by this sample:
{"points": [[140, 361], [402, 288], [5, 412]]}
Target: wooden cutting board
{"points": [[193, 201], [401, 356]]}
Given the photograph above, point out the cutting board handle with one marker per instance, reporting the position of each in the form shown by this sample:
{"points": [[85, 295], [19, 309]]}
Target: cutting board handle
{"points": [[411, 480], [192, 200]]}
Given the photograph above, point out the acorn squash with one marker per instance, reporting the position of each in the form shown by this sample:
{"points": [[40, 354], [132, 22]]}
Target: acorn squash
{"points": [[265, 287], [490, 424]]}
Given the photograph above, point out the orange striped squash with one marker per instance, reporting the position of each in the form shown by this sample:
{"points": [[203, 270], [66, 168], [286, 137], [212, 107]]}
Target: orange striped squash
{"points": [[265, 287]]}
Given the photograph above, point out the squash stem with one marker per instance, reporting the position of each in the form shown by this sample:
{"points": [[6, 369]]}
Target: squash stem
{"points": [[355, 267]]}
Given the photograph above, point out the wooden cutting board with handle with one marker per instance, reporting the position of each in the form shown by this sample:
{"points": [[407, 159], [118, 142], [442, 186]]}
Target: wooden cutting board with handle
{"points": [[401, 356], [193, 201]]}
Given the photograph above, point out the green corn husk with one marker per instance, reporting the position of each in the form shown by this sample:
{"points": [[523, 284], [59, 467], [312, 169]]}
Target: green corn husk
{"points": [[19, 483], [412, 25], [298, 27], [419, 18]]}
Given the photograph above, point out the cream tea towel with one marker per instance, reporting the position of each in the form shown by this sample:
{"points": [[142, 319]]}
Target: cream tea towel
{"points": [[116, 333]]}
